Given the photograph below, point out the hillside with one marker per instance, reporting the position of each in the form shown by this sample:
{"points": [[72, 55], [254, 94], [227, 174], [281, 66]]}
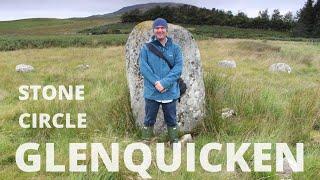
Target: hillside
{"points": [[141, 7], [51, 26], [54, 26]]}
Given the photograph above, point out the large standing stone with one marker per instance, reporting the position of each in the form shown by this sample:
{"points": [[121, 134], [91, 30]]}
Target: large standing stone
{"points": [[190, 110]]}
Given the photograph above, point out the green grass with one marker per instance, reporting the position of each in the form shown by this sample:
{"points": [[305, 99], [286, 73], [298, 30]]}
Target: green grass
{"points": [[116, 28], [50, 26], [270, 107], [28, 42], [77, 32]]}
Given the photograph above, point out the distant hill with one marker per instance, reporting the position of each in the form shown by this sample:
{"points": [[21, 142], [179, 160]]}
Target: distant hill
{"points": [[141, 7], [45, 26]]}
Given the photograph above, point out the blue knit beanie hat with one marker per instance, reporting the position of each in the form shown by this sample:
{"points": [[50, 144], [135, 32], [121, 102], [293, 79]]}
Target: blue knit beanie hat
{"points": [[160, 22]]}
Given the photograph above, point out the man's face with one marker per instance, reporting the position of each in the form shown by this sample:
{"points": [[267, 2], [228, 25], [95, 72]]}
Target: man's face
{"points": [[160, 32]]}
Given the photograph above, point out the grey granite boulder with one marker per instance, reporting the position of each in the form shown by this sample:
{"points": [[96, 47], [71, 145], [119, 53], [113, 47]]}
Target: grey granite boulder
{"points": [[280, 67], [187, 138], [83, 66], [190, 111], [24, 68], [228, 113], [227, 64]]}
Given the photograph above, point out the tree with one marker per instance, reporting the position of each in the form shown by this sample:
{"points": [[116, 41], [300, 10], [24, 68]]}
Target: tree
{"points": [[276, 16], [132, 16], [188, 14], [288, 17], [263, 20], [288, 20], [276, 20], [316, 28], [264, 15], [306, 20], [241, 20]]}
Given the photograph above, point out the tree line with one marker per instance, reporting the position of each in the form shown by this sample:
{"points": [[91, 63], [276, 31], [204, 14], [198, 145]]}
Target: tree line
{"points": [[305, 23], [308, 24]]}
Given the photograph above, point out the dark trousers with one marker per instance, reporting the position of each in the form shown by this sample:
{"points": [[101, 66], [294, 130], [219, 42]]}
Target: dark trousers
{"points": [[151, 111]]}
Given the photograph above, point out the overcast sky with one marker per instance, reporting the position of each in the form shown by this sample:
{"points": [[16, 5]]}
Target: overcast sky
{"points": [[20, 9]]}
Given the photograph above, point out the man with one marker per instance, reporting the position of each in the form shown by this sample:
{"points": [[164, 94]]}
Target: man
{"points": [[160, 82]]}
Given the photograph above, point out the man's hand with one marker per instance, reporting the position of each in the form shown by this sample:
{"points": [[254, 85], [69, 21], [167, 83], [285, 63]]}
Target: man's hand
{"points": [[159, 87]]}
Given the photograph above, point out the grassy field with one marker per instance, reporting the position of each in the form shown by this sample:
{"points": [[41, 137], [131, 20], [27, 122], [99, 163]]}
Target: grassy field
{"points": [[111, 35], [103, 32], [9, 42], [270, 107], [47, 26]]}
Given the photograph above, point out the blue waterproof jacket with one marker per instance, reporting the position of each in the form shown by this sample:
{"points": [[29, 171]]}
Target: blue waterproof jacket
{"points": [[154, 69]]}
